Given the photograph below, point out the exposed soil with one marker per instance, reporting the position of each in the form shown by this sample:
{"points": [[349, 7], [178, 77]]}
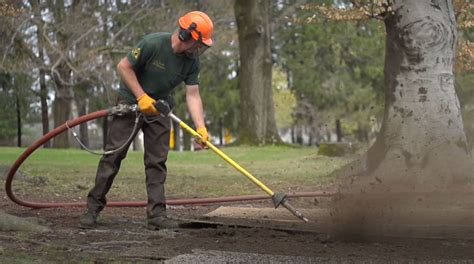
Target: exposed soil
{"points": [[121, 237]]}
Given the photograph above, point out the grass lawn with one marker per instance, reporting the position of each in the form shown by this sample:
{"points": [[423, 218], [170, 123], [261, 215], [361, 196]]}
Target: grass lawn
{"points": [[71, 172]]}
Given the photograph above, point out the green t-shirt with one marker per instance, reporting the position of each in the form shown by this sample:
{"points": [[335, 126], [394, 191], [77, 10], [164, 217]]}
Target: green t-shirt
{"points": [[158, 68]]}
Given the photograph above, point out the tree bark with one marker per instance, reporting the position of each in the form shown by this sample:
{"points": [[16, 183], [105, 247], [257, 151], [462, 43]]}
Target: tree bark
{"points": [[258, 125], [44, 104], [64, 92], [42, 73], [422, 142], [61, 113], [62, 108], [338, 130], [422, 129], [18, 120], [299, 134], [421, 157]]}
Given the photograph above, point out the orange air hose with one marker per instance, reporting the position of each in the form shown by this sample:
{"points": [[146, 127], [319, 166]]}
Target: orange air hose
{"points": [[102, 113]]}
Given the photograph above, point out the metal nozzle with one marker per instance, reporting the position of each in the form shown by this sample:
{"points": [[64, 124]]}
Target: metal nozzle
{"points": [[280, 198], [290, 208]]}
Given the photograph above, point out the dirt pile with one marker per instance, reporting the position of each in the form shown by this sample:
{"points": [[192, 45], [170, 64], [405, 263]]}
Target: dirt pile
{"points": [[432, 199]]}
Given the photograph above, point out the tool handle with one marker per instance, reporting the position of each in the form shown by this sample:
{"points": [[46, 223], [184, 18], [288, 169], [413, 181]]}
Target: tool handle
{"points": [[223, 155], [163, 107], [279, 199]]}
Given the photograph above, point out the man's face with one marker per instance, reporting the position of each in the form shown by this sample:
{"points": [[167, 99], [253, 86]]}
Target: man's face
{"points": [[194, 48], [188, 44]]}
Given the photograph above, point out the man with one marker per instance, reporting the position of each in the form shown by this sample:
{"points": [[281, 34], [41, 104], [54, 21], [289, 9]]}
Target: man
{"points": [[149, 72]]}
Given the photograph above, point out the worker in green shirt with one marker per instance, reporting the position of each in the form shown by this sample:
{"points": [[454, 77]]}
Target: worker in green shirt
{"points": [[150, 71]]}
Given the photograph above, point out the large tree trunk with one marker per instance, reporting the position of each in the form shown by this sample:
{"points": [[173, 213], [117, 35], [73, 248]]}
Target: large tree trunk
{"points": [[62, 77], [258, 125], [422, 130], [62, 113], [420, 160], [18, 120], [42, 73], [44, 105]]}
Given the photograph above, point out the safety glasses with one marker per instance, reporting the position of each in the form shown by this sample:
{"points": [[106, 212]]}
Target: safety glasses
{"points": [[196, 49]]}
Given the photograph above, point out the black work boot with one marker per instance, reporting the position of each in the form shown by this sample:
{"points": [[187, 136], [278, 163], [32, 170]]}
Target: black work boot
{"points": [[88, 219], [161, 222]]}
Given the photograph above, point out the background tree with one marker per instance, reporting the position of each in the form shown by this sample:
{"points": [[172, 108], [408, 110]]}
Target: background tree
{"points": [[9, 125], [43, 91], [72, 57], [422, 130], [422, 145], [255, 73], [464, 81], [335, 70], [345, 57], [15, 84]]}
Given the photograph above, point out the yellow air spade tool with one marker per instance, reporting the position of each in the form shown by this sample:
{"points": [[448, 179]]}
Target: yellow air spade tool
{"points": [[277, 198]]}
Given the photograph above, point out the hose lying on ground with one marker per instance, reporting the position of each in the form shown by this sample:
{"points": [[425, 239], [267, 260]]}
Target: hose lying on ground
{"points": [[91, 116]]}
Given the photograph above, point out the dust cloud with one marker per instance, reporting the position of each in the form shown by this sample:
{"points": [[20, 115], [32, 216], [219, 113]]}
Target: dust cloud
{"points": [[430, 199]]}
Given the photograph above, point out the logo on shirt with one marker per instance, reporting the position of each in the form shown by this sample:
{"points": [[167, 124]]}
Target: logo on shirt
{"points": [[159, 64], [136, 53]]}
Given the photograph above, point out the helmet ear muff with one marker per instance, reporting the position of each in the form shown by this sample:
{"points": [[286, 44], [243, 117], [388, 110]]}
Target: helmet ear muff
{"points": [[185, 33]]}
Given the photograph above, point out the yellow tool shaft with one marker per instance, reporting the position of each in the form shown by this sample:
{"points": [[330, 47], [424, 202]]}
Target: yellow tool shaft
{"points": [[228, 159]]}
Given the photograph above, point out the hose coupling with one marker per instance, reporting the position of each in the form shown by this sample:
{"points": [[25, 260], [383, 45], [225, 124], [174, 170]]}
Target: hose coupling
{"points": [[122, 109]]}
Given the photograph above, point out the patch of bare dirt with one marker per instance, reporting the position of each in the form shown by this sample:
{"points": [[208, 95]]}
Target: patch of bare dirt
{"points": [[121, 236]]}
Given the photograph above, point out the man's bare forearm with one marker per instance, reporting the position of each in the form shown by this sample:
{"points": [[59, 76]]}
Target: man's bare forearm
{"points": [[194, 103], [128, 76]]}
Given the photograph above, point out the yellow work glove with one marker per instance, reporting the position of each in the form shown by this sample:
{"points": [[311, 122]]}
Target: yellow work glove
{"points": [[205, 136], [147, 104]]}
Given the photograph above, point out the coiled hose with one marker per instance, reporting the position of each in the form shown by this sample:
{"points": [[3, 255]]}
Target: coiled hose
{"points": [[91, 116]]}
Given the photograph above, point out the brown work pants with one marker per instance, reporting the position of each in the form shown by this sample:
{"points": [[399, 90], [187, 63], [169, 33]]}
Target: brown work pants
{"points": [[156, 143]]}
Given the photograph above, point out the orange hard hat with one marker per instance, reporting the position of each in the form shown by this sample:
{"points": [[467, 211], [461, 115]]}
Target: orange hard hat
{"points": [[202, 28]]}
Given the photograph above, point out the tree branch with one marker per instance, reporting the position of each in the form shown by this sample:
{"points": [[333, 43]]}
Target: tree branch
{"points": [[12, 41]]}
